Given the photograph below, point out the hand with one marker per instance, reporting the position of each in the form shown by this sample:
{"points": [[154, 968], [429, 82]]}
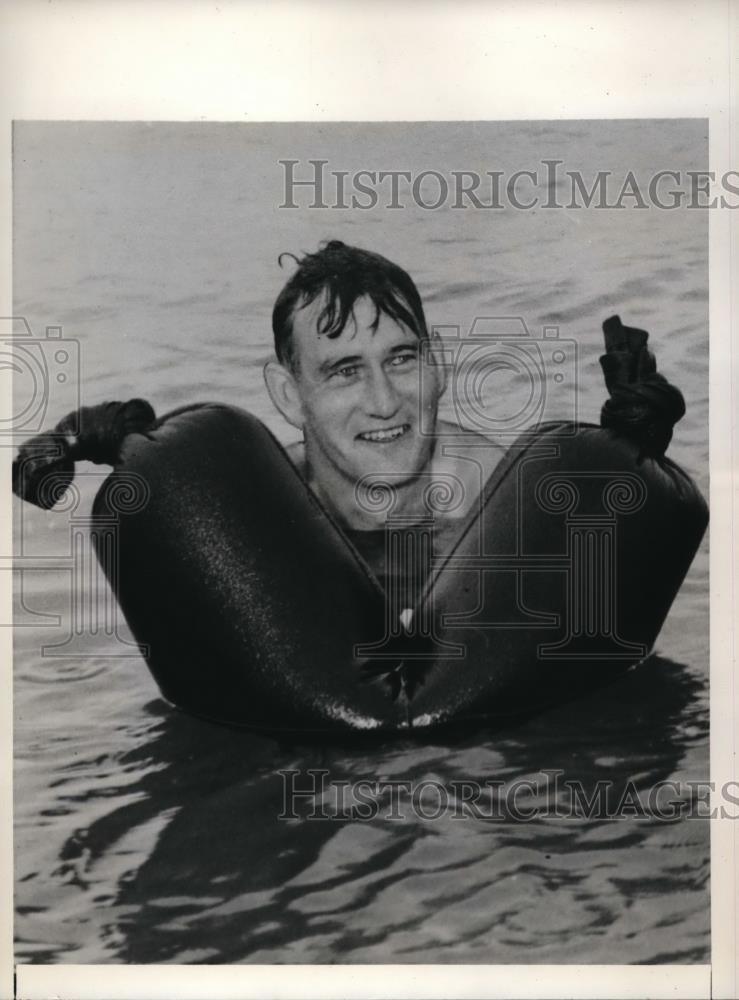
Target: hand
{"points": [[643, 405], [44, 467], [43, 470]]}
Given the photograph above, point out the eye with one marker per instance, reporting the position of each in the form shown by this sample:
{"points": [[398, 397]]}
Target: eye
{"points": [[406, 358], [345, 372]]}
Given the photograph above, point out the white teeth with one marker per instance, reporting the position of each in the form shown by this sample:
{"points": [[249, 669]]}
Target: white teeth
{"points": [[388, 435]]}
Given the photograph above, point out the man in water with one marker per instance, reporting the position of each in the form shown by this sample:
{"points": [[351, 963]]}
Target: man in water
{"points": [[358, 373]]}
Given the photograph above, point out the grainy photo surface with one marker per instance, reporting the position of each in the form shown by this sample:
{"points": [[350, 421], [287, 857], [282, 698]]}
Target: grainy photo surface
{"points": [[410, 665]]}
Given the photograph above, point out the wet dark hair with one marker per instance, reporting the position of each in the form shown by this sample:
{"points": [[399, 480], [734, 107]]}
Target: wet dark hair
{"points": [[344, 274]]}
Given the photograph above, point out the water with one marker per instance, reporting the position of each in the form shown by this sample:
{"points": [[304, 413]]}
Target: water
{"points": [[143, 835]]}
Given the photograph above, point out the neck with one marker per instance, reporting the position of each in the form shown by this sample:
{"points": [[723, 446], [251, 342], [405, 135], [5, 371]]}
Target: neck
{"points": [[366, 506]]}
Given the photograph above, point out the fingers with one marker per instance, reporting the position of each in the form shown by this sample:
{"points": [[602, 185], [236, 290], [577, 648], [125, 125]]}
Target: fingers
{"points": [[627, 358], [43, 470], [623, 338]]}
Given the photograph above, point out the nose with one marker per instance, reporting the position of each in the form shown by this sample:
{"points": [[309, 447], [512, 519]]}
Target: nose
{"points": [[383, 398]]}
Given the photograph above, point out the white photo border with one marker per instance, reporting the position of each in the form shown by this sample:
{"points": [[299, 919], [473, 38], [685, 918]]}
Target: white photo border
{"points": [[334, 60]]}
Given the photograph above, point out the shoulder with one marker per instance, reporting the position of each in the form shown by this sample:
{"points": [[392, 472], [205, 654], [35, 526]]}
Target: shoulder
{"points": [[468, 456]]}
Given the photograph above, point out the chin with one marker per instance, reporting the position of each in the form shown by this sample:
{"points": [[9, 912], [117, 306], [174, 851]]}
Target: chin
{"points": [[400, 468]]}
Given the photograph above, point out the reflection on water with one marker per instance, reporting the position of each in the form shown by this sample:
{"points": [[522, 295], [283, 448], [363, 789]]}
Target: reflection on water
{"points": [[208, 871], [142, 835]]}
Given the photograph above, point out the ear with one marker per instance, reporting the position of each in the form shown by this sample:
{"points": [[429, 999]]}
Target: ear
{"points": [[283, 391], [441, 369]]}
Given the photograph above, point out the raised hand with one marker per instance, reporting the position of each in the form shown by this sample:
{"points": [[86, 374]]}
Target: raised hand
{"points": [[643, 405]]}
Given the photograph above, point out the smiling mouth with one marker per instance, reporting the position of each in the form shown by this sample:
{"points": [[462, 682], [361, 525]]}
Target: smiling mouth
{"points": [[384, 436]]}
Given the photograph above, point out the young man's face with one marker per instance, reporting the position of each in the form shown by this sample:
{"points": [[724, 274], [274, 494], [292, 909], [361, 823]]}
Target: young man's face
{"points": [[363, 404]]}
